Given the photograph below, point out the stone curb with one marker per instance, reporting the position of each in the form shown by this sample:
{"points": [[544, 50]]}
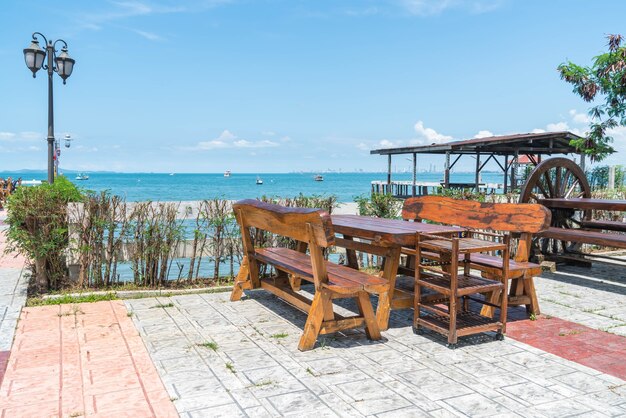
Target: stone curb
{"points": [[134, 294]]}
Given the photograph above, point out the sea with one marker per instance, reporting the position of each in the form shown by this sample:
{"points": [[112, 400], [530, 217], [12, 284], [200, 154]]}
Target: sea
{"points": [[189, 187]]}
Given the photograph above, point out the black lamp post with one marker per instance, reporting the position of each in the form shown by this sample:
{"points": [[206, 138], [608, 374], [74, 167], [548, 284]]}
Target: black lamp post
{"points": [[34, 57]]}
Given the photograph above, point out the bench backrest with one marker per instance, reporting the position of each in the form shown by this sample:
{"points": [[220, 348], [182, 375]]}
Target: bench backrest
{"points": [[301, 224], [523, 218], [511, 217]]}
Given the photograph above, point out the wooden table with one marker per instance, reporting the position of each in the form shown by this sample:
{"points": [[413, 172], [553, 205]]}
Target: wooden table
{"points": [[392, 233]]}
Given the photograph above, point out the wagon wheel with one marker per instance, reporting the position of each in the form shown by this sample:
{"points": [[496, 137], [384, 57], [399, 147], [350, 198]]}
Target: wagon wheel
{"points": [[558, 178]]}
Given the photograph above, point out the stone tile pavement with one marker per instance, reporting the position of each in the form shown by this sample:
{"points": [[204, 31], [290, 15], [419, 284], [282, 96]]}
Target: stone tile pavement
{"points": [[219, 358], [594, 297], [13, 286]]}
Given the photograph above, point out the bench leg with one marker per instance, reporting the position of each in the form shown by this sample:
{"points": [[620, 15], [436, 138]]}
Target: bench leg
{"points": [[529, 290], [365, 308], [295, 282], [314, 320], [240, 280], [382, 311]]}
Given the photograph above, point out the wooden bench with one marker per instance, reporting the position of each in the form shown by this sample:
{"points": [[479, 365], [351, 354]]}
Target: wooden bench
{"points": [[311, 228], [583, 236], [524, 219]]}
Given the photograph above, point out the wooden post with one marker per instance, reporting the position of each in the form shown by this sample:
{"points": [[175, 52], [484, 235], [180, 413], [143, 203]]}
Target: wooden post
{"points": [[446, 173], [611, 184], [414, 171], [514, 171], [506, 171], [388, 173], [582, 161], [477, 178]]}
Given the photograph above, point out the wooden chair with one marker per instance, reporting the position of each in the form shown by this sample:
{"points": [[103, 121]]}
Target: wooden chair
{"points": [[311, 228], [524, 219]]}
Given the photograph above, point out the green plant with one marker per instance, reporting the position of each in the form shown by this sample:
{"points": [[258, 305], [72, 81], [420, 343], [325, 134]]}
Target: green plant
{"points": [[279, 335], [379, 205], [231, 367], [605, 78], [209, 344], [38, 228], [163, 305], [65, 299]]}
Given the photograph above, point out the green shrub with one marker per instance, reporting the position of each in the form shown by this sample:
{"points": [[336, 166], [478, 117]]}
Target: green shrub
{"points": [[379, 205], [37, 218]]}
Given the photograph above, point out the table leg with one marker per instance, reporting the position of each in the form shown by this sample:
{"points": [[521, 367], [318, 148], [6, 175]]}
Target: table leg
{"points": [[351, 258], [384, 299]]}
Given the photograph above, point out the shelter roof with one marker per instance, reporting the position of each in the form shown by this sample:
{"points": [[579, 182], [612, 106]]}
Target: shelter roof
{"points": [[530, 143]]}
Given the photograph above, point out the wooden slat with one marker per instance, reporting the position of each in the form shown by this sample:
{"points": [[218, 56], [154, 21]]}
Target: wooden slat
{"points": [[467, 284], [605, 225], [393, 231], [296, 299], [466, 245], [289, 222], [328, 327], [338, 276], [585, 237], [364, 247], [584, 203], [519, 217]]}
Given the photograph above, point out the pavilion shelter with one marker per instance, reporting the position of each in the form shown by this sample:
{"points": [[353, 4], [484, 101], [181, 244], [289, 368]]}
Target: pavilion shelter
{"points": [[506, 150]]}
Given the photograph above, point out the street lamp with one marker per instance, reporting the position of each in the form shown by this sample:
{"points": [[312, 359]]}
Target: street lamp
{"points": [[34, 57]]}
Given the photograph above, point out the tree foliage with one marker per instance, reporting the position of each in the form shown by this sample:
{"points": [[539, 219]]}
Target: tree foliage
{"points": [[603, 83]]}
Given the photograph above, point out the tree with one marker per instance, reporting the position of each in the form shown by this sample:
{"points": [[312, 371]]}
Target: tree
{"points": [[604, 79]]}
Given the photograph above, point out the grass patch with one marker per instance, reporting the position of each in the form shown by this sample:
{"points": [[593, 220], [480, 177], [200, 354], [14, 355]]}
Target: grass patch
{"points": [[67, 299], [230, 366], [532, 317], [279, 335], [263, 383], [570, 332], [163, 305], [209, 344], [130, 314]]}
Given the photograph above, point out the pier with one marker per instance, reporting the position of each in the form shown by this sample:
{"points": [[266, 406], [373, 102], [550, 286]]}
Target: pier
{"points": [[404, 189]]}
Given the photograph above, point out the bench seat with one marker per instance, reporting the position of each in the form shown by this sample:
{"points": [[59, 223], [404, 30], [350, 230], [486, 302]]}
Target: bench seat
{"points": [[341, 279], [585, 237], [479, 261]]}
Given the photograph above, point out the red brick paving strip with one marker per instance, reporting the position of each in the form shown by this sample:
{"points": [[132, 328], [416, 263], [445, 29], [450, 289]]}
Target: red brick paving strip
{"points": [[587, 346], [85, 359]]}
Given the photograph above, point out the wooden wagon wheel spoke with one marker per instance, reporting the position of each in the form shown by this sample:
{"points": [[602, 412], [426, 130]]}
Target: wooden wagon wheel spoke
{"points": [[557, 181], [546, 175], [571, 189]]}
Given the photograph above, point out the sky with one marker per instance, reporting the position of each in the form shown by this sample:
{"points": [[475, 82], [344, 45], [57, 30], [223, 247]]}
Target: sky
{"points": [[292, 85]]}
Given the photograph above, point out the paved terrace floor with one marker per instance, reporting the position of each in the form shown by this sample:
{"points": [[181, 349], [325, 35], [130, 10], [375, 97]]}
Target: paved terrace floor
{"points": [[201, 355]]}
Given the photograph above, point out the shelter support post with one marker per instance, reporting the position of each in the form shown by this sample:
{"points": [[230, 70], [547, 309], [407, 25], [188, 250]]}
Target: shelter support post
{"points": [[477, 178], [446, 173], [414, 171], [389, 173], [506, 172], [514, 170]]}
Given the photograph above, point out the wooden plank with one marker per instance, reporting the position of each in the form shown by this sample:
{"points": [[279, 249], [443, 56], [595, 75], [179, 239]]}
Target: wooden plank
{"points": [[289, 222], [584, 203], [518, 217], [328, 327], [392, 231], [585, 237], [605, 225], [296, 299]]}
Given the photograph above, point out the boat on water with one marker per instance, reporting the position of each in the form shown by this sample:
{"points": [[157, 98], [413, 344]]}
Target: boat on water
{"points": [[227, 173], [82, 176], [318, 177], [259, 180]]}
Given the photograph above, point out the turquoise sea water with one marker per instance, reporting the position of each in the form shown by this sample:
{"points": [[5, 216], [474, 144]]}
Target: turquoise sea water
{"points": [[178, 187]]}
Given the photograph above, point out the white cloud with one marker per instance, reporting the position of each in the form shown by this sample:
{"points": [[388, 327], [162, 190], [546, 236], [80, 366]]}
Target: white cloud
{"points": [[557, 127], [148, 35], [385, 143], [20, 136], [537, 131], [483, 134], [579, 117], [435, 7], [429, 135], [228, 140], [363, 146]]}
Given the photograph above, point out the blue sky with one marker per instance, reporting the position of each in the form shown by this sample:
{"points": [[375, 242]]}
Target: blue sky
{"points": [[287, 85]]}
